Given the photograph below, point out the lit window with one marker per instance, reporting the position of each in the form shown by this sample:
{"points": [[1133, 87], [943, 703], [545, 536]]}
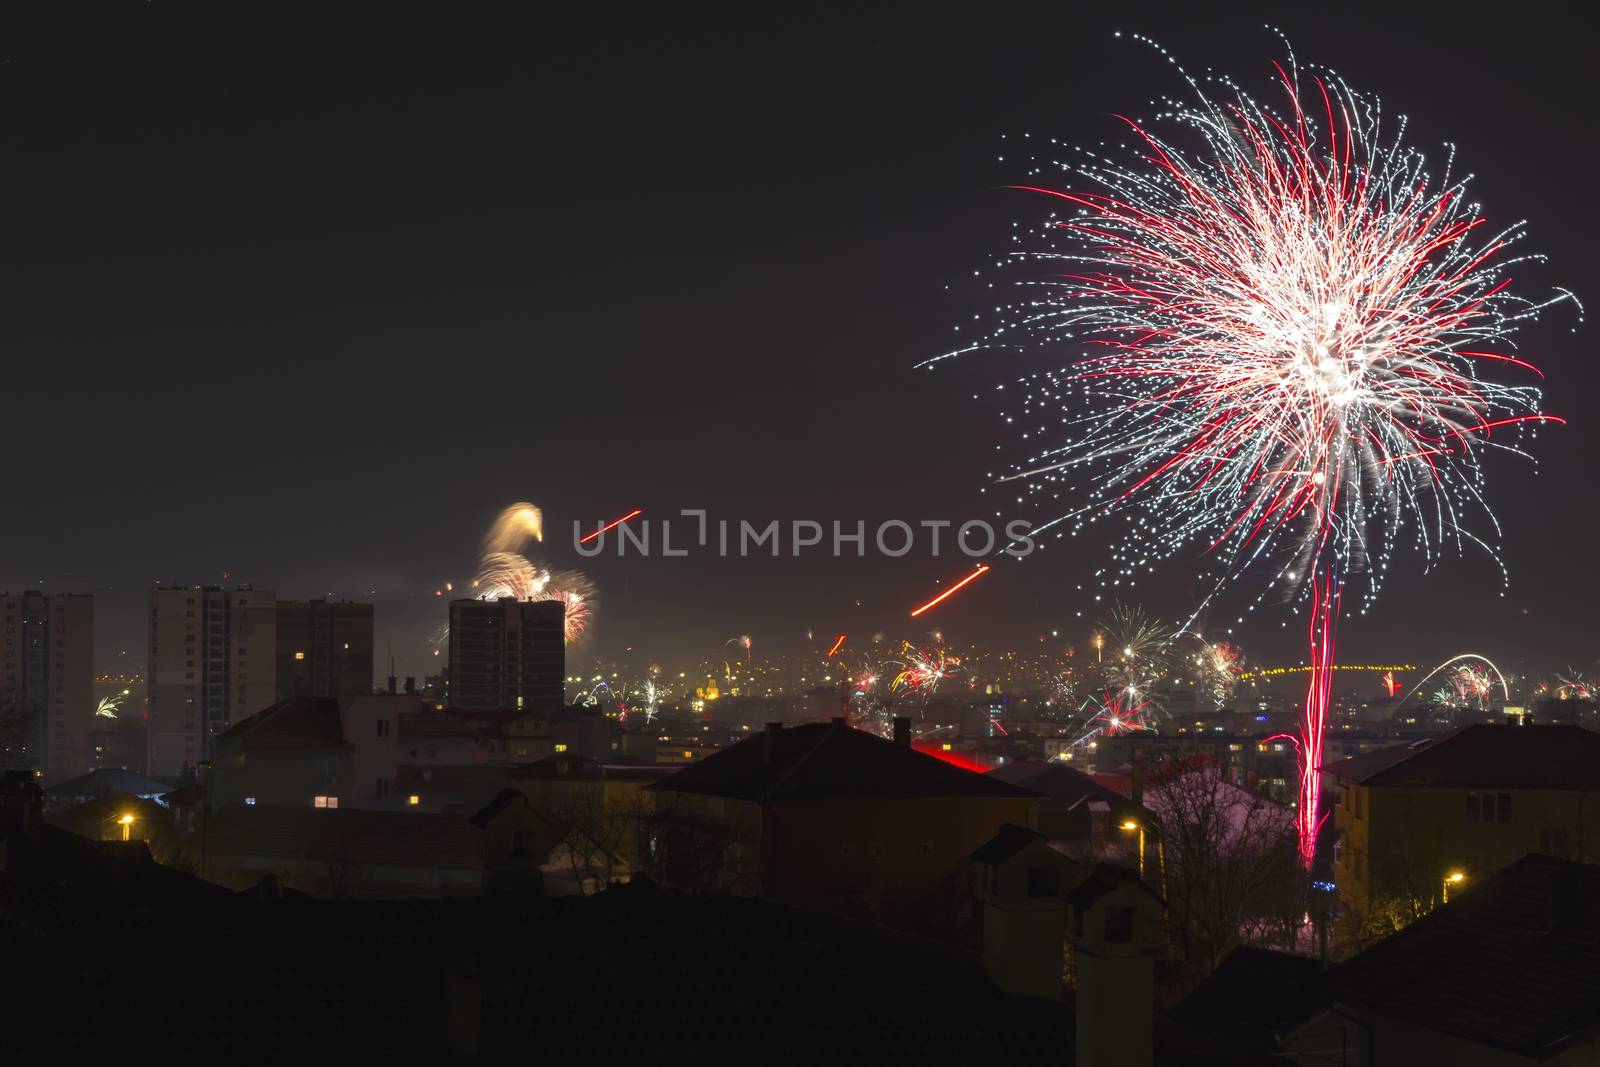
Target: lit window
{"points": [[946, 746], [413, 800], [325, 802], [561, 747], [688, 755], [299, 655], [251, 801]]}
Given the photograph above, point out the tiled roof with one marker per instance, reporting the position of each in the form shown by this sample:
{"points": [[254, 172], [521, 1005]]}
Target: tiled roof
{"points": [[301, 723], [344, 835], [827, 760], [1513, 962], [1484, 757], [1256, 996]]}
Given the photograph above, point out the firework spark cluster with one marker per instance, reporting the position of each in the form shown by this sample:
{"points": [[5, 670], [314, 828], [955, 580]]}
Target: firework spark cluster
{"points": [[1292, 323], [879, 688], [1291, 329], [504, 571]]}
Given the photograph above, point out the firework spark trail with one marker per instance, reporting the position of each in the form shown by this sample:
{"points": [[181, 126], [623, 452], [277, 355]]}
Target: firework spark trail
{"points": [[613, 524], [513, 528], [836, 646], [982, 568], [1325, 595], [1293, 318]]}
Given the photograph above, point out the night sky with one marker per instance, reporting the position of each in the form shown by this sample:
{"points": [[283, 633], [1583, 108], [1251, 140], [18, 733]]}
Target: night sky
{"points": [[306, 300]]}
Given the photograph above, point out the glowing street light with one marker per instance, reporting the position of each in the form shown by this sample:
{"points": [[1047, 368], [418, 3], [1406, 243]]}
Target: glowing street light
{"points": [[127, 825], [1453, 878]]}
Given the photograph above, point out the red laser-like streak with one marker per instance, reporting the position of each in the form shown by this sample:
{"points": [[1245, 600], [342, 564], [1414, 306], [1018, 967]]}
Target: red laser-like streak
{"points": [[1325, 595], [586, 538], [835, 647], [982, 568]]}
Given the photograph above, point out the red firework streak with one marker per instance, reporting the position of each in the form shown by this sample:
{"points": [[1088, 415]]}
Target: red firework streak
{"points": [[613, 524], [835, 648], [952, 591], [1325, 594]]}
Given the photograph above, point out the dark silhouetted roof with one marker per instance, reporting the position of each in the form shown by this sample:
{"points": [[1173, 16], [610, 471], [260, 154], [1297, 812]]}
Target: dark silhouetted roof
{"points": [[502, 800], [105, 781], [1484, 757], [730, 979], [1007, 843], [63, 883], [1513, 962], [301, 723], [1060, 783], [824, 760], [1256, 996], [1103, 879], [344, 835]]}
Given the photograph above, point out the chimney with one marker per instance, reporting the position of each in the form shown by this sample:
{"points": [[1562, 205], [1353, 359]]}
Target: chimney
{"points": [[411, 685], [902, 731], [769, 739], [1137, 776]]}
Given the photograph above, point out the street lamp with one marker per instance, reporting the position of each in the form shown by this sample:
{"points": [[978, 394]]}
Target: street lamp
{"points": [[127, 825], [1131, 825], [1453, 878]]}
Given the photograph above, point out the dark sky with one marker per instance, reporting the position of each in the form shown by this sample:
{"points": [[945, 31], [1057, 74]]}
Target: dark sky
{"points": [[307, 299]]}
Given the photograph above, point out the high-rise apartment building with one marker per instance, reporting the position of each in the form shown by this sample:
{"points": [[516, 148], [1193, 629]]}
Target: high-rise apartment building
{"points": [[212, 662], [508, 653], [46, 683], [324, 649]]}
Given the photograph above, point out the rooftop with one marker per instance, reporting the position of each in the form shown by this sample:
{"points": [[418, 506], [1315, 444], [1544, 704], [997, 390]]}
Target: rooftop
{"points": [[1060, 783], [310, 723], [1513, 962], [1483, 757], [826, 760], [106, 781], [1256, 996]]}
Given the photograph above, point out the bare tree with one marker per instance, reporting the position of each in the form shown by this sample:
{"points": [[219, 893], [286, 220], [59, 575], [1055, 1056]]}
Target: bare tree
{"points": [[596, 837], [693, 853], [1228, 862]]}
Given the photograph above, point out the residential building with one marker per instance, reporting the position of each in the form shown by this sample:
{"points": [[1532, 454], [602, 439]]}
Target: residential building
{"points": [[1080, 817], [324, 649], [1505, 975], [1021, 886], [827, 816], [293, 754], [508, 653], [212, 662], [46, 684], [1464, 804]]}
